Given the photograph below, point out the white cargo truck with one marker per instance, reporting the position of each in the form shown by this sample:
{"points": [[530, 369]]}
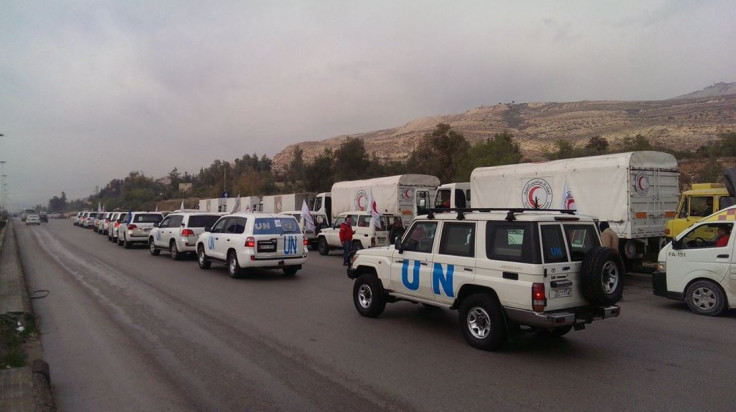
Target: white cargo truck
{"points": [[283, 203], [635, 192], [406, 195], [227, 205]]}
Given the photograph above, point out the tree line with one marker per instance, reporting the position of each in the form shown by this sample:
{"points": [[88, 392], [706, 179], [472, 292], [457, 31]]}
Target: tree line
{"points": [[444, 153]]}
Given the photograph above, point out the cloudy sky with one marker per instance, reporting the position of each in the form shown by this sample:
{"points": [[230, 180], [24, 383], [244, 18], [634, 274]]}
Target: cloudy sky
{"points": [[91, 90]]}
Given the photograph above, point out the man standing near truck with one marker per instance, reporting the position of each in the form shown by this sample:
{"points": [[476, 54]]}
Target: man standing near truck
{"points": [[346, 239]]}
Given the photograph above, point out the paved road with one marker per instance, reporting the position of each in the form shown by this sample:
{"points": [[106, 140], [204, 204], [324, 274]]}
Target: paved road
{"points": [[124, 330]]}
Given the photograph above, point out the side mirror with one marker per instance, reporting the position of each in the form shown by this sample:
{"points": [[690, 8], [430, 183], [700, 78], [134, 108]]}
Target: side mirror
{"points": [[676, 244], [397, 244]]}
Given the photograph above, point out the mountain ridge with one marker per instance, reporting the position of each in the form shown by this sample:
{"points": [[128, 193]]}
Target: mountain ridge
{"points": [[685, 122]]}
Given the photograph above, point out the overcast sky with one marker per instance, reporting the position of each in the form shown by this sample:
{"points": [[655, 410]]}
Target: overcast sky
{"points": [[92, 90]]}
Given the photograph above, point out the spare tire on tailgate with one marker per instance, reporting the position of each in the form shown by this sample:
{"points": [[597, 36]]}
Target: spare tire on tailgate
{"points": [[602, 276]]}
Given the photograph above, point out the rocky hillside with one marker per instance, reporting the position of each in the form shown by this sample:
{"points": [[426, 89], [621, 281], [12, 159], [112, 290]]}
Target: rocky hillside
{"points": [[685, 122]]}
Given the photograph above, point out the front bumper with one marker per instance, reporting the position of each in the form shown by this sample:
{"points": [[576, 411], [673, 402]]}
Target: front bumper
{"points": [[582, 315], [659, 287]]}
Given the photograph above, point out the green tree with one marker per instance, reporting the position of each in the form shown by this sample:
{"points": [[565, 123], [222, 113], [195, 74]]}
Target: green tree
{"points": [[499, 150], [563, 149], [297, 169], [320, 173], [351, 161], [440, 153], [636, 143], [596, 146]]}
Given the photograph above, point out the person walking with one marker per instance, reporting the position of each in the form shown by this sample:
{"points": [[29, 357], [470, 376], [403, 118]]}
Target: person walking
{"points": [[346, 239], [608, 236]]}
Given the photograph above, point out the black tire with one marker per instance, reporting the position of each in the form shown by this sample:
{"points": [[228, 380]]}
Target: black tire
{"points": [[482, 322], [126, 244], [602, 277], [174, 250], [152, 248], [202, 260], [368, 295], [233, 267], [323, 247], [290, 271], [120, 241], [705, 297]]}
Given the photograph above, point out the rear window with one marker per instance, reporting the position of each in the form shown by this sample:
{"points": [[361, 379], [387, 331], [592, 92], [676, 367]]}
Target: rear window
{"points": [[147, 218], [202, 220], [275, 225], [580, 239], [512, 241]]}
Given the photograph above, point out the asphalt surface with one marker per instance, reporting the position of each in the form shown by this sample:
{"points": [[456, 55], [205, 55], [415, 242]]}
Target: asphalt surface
{"points": [[124, 330]]}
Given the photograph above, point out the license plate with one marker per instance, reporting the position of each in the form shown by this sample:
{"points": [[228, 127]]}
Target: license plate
{"points": [[560, 293], [267, 247]]}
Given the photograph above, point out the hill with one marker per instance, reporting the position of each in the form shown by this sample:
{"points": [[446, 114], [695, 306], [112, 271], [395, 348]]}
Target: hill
{"points": [[685, 122]]}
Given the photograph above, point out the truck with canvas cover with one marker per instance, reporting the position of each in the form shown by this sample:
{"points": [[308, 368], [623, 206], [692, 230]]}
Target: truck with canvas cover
{"points": [[406, 195], [635, 192]]}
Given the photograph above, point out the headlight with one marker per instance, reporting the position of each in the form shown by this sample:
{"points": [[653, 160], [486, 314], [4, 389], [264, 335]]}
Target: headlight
{"points": [[661, 267]]}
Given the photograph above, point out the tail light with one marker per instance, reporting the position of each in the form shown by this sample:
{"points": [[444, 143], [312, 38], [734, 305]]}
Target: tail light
{"points": [[117, 224], [187, 232], [306, 242], [132, 226], [539, 301], [250, 241]]}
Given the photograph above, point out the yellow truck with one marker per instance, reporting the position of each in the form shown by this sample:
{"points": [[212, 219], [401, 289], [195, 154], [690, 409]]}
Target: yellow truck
{"points": [[702, 200]]}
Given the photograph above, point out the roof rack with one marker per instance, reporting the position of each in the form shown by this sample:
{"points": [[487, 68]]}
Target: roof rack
{"points": [[510, 216]]}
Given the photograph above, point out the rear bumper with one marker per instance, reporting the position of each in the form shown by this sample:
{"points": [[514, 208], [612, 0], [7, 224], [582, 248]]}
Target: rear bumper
{"points": [[581, 315]]}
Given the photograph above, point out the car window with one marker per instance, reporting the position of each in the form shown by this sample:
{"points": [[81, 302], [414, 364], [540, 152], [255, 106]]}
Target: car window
{"points": [[339, 221], [202, 220], [275, 225], [553, 245], [364, 221], [580, 239], [353, 220], [235, 225], [458, 239], [165, 222], [175, 220], [147, 218], [420, 237], [707, 236], [219, 226], [512, 241]]}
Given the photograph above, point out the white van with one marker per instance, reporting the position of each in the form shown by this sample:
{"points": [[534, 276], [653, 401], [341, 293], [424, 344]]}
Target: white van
{"points": [[699, 266]]}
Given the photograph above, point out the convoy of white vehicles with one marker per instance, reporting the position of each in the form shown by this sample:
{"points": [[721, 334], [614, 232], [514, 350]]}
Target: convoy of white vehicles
{"points": [[515, 248]]}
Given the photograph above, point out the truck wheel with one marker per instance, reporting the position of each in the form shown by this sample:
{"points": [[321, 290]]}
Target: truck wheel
{"points": [[174, 251], [368, 296], [322, 246], [482, 322], [202, 260], [233, 269], [705, 297], [152, 248], [602, 278]]}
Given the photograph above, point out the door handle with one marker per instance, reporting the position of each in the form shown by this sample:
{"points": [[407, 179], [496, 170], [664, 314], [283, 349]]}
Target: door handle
{"points": [[424, 263], [566, 268], [722, 256], [468, 269]]}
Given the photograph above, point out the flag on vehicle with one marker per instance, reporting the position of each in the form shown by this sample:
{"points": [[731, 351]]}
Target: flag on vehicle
{"points": [[375, 216], [307, 217], [568, 202], [237, 205], [130, 216], [99, 207], [156, 208], [182, 205]]}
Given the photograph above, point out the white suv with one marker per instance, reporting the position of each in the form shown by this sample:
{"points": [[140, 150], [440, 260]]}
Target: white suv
{"points": [[518, 269], [248, 240], [178, 232], [365, 236], [136, 226]]}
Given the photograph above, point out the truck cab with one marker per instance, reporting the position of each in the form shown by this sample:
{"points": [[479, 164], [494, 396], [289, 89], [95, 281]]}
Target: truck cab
{"points": [[453, 195], [702, 200]]}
